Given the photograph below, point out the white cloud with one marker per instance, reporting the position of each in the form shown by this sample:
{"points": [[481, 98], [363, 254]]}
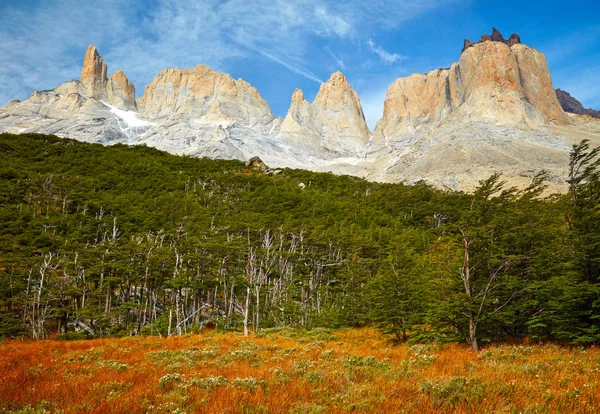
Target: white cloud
{"points": [[386, 57], [36, 46]]}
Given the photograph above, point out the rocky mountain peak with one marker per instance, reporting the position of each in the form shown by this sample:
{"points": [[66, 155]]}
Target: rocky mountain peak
{"points": [[495, 109], [93, 74], [337, 92], [117, 90], [120, 91], [334, 123], [496, 81], [572, 105], [496, 36], [207, 96], [298, 96], [337, 79]]}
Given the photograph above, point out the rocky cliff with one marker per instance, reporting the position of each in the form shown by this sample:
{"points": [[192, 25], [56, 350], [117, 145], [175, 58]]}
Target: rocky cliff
{"points": [[203, 112], [120, 91], [83, 109], [333, 125], [205, 94], [495, 110], [94, 75], [496, 36], [117, 90], [492, 82]]}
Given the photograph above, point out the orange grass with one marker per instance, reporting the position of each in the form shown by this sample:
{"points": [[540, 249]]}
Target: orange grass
{"points": [[287, 371]]}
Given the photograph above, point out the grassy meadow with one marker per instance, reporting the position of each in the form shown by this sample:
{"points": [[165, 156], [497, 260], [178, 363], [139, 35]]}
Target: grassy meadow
{"points": [[292, 371]]}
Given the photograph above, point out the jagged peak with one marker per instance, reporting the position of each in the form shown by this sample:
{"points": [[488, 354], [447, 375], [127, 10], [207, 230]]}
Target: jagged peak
{"points": [[298, 96], [120, 75], [337, 78], [337, 89], [496, 36], [93, 65], [92, 50]]}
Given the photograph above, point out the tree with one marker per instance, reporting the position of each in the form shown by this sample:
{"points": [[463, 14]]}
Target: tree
{"points": [[491, 258], [399, 293], [584, 215]]}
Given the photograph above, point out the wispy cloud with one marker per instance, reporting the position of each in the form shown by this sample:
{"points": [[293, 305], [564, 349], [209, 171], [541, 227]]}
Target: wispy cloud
{"points": [[386, 57], [294, 68], [331, 24], [42, 43], [338, 60]]}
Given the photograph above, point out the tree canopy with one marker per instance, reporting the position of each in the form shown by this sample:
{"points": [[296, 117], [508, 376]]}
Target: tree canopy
{"points": [[119, 240]]}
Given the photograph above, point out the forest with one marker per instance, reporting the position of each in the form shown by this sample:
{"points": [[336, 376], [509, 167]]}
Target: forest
{"points": [[117, 241]]}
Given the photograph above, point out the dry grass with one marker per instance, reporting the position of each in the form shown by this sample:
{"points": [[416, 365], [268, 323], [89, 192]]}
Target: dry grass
{"points": [[289, 371]]}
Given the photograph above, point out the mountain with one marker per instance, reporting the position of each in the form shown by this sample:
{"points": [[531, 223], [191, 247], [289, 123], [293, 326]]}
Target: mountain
{"points": [[495, 110], [333, 124], [203, 112], [572, 105], [83, 109]]}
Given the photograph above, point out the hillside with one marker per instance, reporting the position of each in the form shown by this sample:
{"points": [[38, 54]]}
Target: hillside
{"points": [[120, 240]]}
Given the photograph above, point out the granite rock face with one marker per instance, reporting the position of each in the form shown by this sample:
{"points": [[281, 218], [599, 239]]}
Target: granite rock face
{"points": [[117, 90], [203, 112], [333, 125], [94, 74], [63, 113], [78, 109], [492, 82], [493, 111], [121, 92], [203, 93]]}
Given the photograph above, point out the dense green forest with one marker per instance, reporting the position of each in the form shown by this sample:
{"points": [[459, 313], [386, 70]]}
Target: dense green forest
{"points": [[104, 241]]}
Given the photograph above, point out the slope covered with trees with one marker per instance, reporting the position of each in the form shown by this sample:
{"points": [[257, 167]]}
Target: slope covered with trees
{"points": [[120, 240]]}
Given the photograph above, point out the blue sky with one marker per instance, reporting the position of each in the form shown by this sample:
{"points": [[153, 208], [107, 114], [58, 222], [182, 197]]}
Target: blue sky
{"points": [[279, 45]]}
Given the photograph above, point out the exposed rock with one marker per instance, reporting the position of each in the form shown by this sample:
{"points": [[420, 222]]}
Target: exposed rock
{"points": [[334, 123], [572, 105], [93, 83], [298, 96], [93, 74], [75, 108], [410, 104], [513, 40], [493, 111], [202, 92], [536, 85], [496, 36], [69, 115], [492, 82], [190, 104], [121, 92], [256, 164]]}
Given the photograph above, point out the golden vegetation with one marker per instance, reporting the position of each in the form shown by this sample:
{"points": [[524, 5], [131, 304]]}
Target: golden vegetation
{"points": [[288, 371]]}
